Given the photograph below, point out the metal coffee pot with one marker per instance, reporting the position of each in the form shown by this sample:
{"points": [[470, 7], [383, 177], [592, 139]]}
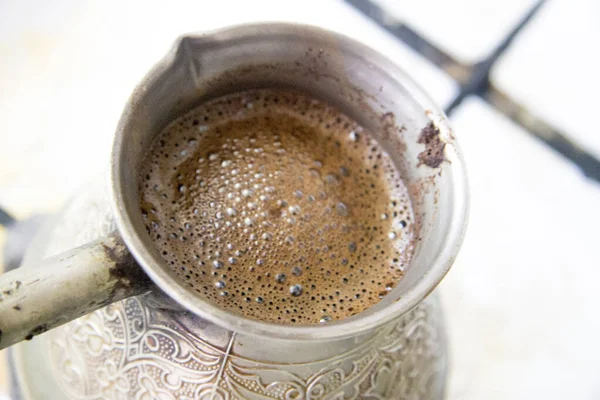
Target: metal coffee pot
{"points": [[122, 325]]}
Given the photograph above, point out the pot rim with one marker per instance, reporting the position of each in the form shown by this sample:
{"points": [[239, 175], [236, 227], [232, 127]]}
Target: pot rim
{"points": [[445, 253]]}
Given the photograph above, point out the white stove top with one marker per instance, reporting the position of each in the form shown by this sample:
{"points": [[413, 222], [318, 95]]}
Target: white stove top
{"points": [[521, 299]]}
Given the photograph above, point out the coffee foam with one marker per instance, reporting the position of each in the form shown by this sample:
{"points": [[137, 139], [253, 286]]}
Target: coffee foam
{"points": [[277, 206]]}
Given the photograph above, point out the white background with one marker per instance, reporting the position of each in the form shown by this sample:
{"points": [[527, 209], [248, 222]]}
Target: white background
{"points": [[522, 300]]}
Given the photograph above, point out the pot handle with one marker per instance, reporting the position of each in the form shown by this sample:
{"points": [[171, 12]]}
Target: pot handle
{"points": [[67, 286]]}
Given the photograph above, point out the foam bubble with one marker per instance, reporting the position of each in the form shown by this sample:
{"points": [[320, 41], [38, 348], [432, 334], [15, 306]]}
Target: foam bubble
{"points": [[289, 213]]}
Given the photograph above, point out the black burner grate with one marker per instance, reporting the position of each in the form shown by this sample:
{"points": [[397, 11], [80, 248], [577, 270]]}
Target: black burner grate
{"points": [[474, 80]]}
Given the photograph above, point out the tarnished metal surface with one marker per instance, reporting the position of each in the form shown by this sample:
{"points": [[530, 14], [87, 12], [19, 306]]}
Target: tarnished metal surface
{"points": [[187, 347], [403, 359], [148, 346], [71, 284], [362, 83]]}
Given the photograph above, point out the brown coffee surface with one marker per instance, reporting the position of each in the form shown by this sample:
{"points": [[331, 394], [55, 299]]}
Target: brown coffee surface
{"points": [[278, 207]]}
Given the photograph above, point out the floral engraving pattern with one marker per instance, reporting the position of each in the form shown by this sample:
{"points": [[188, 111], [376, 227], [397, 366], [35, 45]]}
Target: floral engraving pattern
{"points": [[131, 350], [146, 348]]}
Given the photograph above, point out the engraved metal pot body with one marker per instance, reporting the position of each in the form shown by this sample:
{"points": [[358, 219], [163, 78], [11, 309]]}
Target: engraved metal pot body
{"points": [[167, 343], [147, 348]]}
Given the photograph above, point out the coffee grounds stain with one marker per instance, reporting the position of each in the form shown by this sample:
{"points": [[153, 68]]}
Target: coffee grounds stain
{"points": [[433, 155], [128, 275], [17, 308], [38, 330]]}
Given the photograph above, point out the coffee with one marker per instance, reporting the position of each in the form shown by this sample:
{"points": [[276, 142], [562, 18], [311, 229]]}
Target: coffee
{"points": [[277, 206]]}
